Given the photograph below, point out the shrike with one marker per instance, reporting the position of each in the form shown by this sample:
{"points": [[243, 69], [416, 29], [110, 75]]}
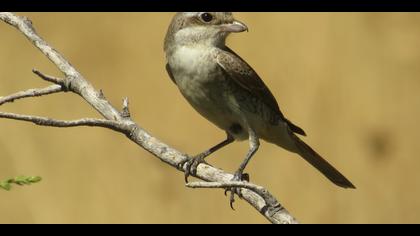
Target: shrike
{"points": [[224, 89]]}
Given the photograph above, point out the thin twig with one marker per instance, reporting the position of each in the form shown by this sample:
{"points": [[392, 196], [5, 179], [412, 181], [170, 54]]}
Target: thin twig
{"points": [[45, 121], [31, 93], [230, 184], [115, 120], [274, 205], [49, 78]]}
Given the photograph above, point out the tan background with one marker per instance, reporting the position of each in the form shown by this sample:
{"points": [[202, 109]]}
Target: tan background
{"points": [[351, 80]]}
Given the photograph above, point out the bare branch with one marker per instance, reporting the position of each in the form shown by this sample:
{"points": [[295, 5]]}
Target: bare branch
{"points": [[45, 121], [49, 78], [275, 207], [31, 93], [231, 184], [82, 86], [259, 197]]}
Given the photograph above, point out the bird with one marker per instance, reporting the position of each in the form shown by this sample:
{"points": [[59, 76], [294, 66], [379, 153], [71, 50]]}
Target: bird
{"points": [[226, 90]]}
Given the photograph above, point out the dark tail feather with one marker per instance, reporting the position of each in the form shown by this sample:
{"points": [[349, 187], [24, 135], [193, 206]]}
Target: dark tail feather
{"points": [[322, 165]]}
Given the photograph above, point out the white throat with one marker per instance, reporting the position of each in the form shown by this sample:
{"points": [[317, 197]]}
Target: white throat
{"points": [[200, 35]]}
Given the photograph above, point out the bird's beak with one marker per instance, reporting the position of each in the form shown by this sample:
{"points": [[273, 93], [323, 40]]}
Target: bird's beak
{"points": [[234, 27]]}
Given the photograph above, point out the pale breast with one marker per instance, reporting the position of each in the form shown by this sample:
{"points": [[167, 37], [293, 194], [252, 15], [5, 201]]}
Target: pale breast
{"points": [[192, 61], [193, 70], [202, 83]]}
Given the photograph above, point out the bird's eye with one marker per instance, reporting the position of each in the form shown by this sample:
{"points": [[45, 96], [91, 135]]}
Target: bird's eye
{"points": [[206, 17]]}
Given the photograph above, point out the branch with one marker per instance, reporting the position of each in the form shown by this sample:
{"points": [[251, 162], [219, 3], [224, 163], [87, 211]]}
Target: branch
{"points": [[276, 211], [233, 184], [44, 121], [50, 78], [74, 82], [31, 93]]}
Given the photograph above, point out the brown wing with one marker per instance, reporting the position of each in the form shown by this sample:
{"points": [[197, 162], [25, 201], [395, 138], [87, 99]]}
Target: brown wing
{"points": [[168, 69], [247, 78]]}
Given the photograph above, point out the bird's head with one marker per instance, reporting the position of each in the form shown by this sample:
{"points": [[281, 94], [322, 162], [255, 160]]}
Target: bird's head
{"points": [[203, 28]]}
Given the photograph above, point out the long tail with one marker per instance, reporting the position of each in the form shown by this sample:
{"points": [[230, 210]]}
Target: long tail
{"points": [[322, 165]]}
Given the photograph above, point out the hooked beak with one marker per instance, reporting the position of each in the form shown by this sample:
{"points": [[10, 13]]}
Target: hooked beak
{"points": [[234, 27]]}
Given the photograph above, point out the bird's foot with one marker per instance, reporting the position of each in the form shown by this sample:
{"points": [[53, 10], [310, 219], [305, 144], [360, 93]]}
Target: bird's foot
{"points": [[234, 190], [192, 164]]}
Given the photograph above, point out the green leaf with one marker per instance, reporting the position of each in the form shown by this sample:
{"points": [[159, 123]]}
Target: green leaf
{"points": [[19, 180], [34, 179], [5, 185]]}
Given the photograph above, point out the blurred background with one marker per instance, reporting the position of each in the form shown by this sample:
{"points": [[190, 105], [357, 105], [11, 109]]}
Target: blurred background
{"points": [[351, 80]]}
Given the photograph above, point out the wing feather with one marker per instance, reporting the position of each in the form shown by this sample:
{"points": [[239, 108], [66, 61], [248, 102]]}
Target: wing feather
{"points": [[243, 74]]}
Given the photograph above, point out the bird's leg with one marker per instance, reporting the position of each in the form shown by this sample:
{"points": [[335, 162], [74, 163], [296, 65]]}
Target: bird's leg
{"points": [[254, 144], [193, 162]]}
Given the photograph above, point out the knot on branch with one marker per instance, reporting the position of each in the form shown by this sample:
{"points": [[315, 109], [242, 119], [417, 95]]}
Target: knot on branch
{"points": [[67, 83], [28, 23], [132, 131]]}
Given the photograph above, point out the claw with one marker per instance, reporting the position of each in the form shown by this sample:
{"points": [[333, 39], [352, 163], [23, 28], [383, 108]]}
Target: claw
{"points": [[187, 170], [232, 200], [231, 197], [237, 191], [191, 166], [193, 162]]}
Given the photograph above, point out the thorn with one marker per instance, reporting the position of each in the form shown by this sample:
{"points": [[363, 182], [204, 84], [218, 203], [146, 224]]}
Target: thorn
{"points": [[125, 111], [101, 94]]}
